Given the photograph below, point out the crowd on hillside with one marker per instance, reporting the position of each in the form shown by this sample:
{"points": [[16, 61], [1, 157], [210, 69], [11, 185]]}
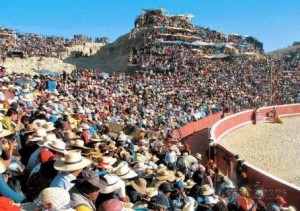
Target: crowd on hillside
{"points": [[59, 151], [37, 45], [179, 27]]}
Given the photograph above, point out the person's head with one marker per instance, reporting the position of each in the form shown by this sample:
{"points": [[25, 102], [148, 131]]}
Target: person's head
{"points": [[166, 188], [111, 205], [12, 113], [280, 200], [88, 183], [25, 120], [158, 203]]}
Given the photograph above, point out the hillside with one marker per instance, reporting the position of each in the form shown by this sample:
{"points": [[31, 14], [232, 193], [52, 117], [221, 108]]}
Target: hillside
{"points": [[112, 57], [286, 52], [36, 63], [151, 45]]}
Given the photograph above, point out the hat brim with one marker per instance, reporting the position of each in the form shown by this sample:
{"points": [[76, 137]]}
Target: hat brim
{"points": [[139, 189], [35, 139], [131, 174], [50, 129], [49, 146], [60, 165], [5, 133], [170, 177], [112, 187], [208, 192]]}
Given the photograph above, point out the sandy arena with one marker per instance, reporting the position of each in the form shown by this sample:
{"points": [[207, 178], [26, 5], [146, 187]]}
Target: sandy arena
{"points": [[272, 147]]}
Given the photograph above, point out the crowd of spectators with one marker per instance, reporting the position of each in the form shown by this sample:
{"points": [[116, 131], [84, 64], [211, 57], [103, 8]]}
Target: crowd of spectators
{"points": [[178, 27], [30, 44], [45, 118], [59, 150]]}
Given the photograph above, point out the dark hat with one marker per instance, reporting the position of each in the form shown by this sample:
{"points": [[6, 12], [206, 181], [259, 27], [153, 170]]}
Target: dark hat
{"points": [[89, 176], [159, 201], [166, 187]]}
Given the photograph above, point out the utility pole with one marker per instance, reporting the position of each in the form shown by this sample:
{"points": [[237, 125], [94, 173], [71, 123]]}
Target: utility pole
{"points": [[271, 85]]}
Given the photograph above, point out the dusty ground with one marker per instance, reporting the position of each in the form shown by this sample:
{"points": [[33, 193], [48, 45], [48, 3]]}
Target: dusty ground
{"points": [[274, 148]]}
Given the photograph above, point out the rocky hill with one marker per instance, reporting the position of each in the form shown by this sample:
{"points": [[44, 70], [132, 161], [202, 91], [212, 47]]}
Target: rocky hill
{"points": [[290, 53]]}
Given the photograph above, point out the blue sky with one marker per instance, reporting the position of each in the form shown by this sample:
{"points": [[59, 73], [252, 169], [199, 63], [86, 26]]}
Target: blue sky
{"points": [[276, 23]]}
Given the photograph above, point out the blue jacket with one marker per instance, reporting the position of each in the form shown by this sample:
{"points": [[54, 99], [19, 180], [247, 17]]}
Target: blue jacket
{"points": [[8, 192]]}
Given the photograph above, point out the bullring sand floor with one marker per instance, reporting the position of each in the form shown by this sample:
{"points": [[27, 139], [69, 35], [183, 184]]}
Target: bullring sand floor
{"points": [[274, 148]]}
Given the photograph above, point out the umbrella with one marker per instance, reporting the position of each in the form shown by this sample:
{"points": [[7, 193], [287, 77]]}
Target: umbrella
{"points": [[22, 80], [48, 72]]}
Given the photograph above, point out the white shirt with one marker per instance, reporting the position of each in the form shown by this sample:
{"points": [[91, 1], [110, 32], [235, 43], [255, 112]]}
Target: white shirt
{"points": [[171, 157]]}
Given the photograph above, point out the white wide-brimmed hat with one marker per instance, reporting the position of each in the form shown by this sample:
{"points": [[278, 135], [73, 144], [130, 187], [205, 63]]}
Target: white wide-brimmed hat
{"points": [[140, 166], [49, 126], [4, 133], [190, 204], [78, 143], [47, 139], [59, 198], [72, 161], [39, 134], [122, 136], [56, 145], [110, 183], [124, 172]]}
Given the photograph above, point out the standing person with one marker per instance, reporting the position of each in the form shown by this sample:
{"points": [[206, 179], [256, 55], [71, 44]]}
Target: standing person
{"points": [[171, 158], [254, 116]]}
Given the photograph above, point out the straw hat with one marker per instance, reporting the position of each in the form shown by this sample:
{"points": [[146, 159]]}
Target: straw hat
{"points": [[85, 126], [39, 134], [179, 176], [139, 185], [124, 172], [71, 162], [122, 136], [198, 156], [78, 143], [207, 190], [59, 198], [31, 128], [161, 167], [165, 175], [154, 158], [49, 126], [56, 145], [189, 184], [140, 157], [95, 138], [4, 133], [2, 166], [190, 204], [150, 192], [48, 138], [110, 183], [148, 173], [140, 166]]}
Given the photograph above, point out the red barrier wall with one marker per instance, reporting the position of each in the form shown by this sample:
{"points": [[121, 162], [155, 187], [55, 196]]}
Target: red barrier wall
{"points": [[227, 163], [196, 126]]}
